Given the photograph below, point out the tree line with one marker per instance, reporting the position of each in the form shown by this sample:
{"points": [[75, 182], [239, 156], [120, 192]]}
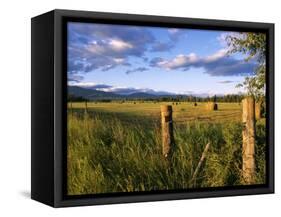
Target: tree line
{"points": [[179, 98]]}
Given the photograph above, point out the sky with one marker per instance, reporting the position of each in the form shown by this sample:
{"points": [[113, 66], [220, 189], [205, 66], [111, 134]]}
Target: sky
{"points": [[125, 59]]}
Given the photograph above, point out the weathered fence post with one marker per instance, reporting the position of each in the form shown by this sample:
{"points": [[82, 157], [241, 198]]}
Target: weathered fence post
{"points": [[248, 148], [258, 110], [167, 130]]}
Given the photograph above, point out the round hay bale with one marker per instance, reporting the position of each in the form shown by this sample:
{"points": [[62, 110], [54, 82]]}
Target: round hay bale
{"points": [[211, 106], [215, 106]]}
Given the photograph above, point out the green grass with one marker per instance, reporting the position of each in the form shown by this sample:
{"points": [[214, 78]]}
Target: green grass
{"points": [[185, 111], [117, 148]]}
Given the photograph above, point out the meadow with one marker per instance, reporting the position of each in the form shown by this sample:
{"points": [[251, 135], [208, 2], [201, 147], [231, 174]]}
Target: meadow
{"points": [[116, 147]]}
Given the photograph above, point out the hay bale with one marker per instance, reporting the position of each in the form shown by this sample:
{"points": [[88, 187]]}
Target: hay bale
{"points": [[211, 106], [215, 106]]}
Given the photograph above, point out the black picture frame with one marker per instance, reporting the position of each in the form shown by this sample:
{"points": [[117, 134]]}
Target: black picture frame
{"points": [[49, 89]]}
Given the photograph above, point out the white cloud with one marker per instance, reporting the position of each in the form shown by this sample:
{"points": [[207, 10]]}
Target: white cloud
{"points": [[95, 48], [216, 64], [105, 47], [119, 45], [119, 60], [215, 56], [179, 61], [84, 84], [173, 31]]}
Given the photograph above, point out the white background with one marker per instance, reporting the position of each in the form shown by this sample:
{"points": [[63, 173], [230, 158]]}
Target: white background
{"points": [[15, 106]]}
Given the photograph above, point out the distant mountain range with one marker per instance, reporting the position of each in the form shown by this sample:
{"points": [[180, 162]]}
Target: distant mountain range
{"points": [[123, 90], [98, 93], [92, 94]]}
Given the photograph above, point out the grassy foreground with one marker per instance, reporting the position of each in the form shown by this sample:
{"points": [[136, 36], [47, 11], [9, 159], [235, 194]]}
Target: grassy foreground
{"points": [[115, 149]]}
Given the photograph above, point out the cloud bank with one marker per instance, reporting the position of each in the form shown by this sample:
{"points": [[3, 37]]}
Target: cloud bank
{"points": [[104, 47], [99, 46], [217, 64]]}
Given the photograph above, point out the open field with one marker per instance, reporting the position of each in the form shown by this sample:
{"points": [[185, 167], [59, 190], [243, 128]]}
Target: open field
{"points": [[116, 147], [182, 112]]}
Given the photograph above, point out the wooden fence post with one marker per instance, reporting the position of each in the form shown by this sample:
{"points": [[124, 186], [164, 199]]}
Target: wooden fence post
{"points": [[167, 130], [258, 110], [248, 148]]}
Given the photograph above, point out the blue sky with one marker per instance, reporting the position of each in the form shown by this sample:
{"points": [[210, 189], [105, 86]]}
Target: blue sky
{"points": [[125, 59]]}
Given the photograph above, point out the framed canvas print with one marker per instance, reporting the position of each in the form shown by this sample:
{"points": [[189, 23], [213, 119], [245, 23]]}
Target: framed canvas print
{"points": [[131, 108]]}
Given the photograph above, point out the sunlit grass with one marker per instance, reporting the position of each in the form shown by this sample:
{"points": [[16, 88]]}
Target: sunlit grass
{"points": [[117, 148], [184, 111]]}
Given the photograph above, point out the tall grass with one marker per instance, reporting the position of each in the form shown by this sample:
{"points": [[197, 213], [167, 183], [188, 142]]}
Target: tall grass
{"points": [[106, 154]]}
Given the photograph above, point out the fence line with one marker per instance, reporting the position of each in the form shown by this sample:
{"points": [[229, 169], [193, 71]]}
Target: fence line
{"points": [[248, 133]]}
